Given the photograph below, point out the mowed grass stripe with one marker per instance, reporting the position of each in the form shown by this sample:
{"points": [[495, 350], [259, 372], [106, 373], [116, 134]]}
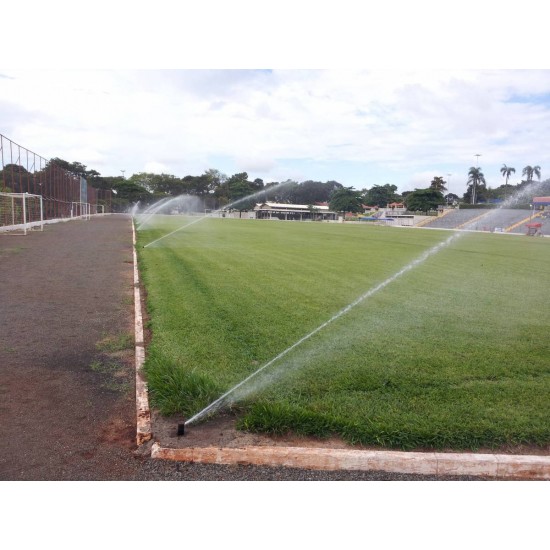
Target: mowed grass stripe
{"points": [[452, 354]]}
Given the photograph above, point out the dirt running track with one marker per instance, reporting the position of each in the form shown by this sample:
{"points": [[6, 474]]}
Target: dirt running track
{"points": [[67, 406]]}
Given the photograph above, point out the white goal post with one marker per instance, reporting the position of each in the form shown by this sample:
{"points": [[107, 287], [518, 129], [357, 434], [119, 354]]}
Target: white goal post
{"points": [[20, 213], [85, 210], [80, 210]]}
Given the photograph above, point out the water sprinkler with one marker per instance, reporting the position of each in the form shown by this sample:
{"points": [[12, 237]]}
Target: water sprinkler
{"points": [[181, 429]]}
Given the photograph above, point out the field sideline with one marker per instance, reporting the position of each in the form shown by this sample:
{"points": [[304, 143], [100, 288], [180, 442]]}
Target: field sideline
{"points": [[453, 354]]}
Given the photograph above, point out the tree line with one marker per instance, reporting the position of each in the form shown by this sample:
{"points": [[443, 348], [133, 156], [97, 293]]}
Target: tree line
{"points": [[217, 190]]}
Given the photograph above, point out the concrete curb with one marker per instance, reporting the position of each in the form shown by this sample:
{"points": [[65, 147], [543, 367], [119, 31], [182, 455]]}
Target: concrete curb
{"points": [[498, 466], [439, 464], [143, 413]]}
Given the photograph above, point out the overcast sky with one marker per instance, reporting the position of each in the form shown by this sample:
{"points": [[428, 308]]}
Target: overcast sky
{"points": [[360, 127]]}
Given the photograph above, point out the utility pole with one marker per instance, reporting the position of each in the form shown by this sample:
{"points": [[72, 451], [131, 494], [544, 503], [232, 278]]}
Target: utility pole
{"points": [[123, 173]]}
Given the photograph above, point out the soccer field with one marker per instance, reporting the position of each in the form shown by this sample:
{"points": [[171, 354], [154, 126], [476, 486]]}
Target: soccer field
{"points": [[449, 352]]}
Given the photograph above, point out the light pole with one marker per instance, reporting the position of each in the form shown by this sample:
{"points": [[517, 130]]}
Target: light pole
{"points": [[448, 187], [123, 173]]}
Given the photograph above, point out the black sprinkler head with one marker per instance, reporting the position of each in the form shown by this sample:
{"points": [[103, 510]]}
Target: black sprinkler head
{"points": [[181, 429]]}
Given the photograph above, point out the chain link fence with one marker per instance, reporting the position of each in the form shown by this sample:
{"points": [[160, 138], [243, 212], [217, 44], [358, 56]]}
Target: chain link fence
{"points": [[64, 194]]}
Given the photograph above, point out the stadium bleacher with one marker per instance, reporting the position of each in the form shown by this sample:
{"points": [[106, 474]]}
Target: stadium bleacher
{"points": [[482, 219]]}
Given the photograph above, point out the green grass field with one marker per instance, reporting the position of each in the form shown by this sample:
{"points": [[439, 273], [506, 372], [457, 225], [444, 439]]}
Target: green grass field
{"points": [[455, 353]]}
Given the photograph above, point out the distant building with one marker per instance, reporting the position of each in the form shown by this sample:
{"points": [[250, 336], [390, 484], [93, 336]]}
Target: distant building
{"points": [[541, 202], [396, 208], [297, 212]]}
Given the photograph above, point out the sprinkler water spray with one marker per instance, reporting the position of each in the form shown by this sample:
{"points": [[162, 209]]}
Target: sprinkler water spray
{"points": [[156, 208], [230, 395]]}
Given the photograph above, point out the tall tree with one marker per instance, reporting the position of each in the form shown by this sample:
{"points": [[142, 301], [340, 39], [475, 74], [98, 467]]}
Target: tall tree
{"points": [[283, 192], [201, 185], [158, 184], [506, 172], [77, 169], [127, 192], [423, 200], [346, 199], [381, 195], [530, 171], [451, 198], [475, 179], [240, 192], [310, 192], [215, 178], [438, 183], [15, 178]]}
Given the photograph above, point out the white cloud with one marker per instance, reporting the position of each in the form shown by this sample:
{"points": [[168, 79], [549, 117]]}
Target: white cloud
{"points": [[155, 167], [398, 126], [258, 164]]}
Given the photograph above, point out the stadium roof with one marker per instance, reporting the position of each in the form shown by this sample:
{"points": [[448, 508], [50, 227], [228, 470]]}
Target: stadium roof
{"points": [[289, 207]]}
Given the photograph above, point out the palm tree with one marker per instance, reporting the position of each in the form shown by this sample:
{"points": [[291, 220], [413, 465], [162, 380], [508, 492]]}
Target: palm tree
{"points": [[530, 171], [507, 171], [475, 178], [438, 183]]}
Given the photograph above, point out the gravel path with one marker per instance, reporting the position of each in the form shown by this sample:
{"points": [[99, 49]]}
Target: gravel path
{"points": [[67, 403]]}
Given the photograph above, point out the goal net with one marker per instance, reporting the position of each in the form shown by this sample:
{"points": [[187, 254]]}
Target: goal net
{"points": [[20, 213]]}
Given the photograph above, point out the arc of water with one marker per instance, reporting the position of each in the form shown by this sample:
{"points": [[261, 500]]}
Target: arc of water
{"points": [[215, 405], [218, 403], [175, 231], [248, 197], [151, 211]]}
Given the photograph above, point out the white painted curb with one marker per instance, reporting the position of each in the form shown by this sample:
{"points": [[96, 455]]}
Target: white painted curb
{"points": [[437, 464], [143, 413]]}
